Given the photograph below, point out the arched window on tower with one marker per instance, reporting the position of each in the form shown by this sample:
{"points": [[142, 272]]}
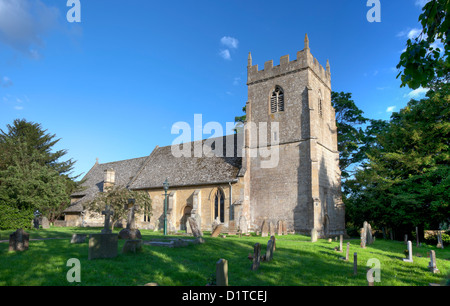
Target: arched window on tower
{"points": [[277, 100]]}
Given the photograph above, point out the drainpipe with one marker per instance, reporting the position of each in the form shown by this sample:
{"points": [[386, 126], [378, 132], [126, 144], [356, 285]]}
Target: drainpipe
{"points": [[231, 194]]}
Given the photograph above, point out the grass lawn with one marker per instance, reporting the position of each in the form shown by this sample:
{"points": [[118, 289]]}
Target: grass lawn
{"points": [[296, 262]]}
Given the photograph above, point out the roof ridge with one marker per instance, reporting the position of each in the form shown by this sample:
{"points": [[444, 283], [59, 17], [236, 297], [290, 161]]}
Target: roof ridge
{"points": [[142, 167]]}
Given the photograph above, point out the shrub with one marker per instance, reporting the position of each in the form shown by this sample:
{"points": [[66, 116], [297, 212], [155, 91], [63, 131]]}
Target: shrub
{"points": [[13, 218]]}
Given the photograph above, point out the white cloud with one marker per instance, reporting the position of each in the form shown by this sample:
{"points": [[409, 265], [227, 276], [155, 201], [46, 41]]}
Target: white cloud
{"points": [[23, 24], [225, 54], [419, 92], [411, 34], [390, 109], [236, 81], [6, 82], [230, 42], [18, 107]]}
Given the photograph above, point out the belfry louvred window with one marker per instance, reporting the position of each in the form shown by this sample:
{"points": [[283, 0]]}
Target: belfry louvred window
{"points": [[277, 100]]}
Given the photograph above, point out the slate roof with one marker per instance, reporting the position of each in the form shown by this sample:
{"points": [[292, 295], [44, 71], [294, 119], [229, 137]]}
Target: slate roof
{"points": [[125, 172], [191, 170], [151, 171]]}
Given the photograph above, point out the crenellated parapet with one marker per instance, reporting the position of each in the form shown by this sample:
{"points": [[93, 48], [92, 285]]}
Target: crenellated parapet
{"points": [[305, 60]]}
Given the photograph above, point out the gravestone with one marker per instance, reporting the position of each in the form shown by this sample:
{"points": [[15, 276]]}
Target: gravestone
{"points": [[417, 237], [280, 228], [363, 238], [348, 248], [78, 238], [313, 235], [108, 212], [440, 244], [274, 243], [44, 223], [355, 263], [102, 246], [256, 257], [284, 227], [130, 232], [271, 229], [222, 272], [269, 250], [432, 265], [264, 229], [19, 240], [132, 246], [341, 240], [217, 230], [368, 231], [410, 258], [243, 227], [196, 232]]}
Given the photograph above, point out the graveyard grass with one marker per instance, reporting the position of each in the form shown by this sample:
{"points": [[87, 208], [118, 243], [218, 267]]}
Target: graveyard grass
{"points": [[296, 262]]}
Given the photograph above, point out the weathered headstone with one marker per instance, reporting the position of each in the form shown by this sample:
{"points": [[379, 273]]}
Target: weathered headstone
{"points": [[269, 250], [243, 227], [274, 243], [410, 258], [432, 265], [271, 229], [417, 237], [78, 238], [355, 263], [440, 244], [341, 240], [280, 228], [44, 223], [108, 213], [102, 246], [256, 257], [284, 227], [264, 229], [348, 248], [222, 272], [363, 238], [313, 235], [132, 246], [368, 230], [19, 240], [131, 232], [217, 230], [196, 232]]}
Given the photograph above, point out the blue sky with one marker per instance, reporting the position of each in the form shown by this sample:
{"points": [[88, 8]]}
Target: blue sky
{"points": [[113, 85]]}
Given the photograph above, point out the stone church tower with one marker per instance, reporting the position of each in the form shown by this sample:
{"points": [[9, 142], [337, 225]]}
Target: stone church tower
{"points": [[291, 158]]}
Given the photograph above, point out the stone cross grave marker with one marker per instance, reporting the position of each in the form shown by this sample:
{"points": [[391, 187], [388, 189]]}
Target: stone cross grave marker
{"points": [[432, 265], [410, 258], [222, 272], [256, 257], [108, 213]]}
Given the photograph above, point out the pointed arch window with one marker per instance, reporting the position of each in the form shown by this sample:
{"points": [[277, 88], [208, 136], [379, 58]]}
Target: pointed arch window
{"points": [[219, 205], [277, 100]]}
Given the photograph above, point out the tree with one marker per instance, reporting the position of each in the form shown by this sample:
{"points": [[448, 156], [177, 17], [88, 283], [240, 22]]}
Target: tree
{"points": [[351, 136], [405, 182], [423, 63], [32, 176], [117, 198]]}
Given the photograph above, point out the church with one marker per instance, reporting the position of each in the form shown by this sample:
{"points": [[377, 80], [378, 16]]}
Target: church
{"points": [[283, 165]]}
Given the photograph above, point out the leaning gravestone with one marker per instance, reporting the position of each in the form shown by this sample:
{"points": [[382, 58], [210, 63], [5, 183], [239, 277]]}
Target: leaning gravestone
{"points": [[274, 243], [264, 229], [256, 257], [44, 223], [19, 240], [196, 232], [217, 230], [313, 235]]}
